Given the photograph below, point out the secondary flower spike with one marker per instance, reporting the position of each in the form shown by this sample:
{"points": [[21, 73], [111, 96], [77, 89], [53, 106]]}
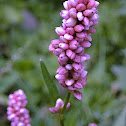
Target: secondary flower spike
{"points": [[74, 36], [92, 124], [16, 111], [59, 106]]}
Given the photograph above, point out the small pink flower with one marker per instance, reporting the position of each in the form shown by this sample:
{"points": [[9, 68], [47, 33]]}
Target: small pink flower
{"points": [[17, 113], [92, 124], [59, 106]]}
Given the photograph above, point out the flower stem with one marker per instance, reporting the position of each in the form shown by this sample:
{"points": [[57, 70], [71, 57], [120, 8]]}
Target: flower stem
{"points": [[64, 108], [67, 100]]}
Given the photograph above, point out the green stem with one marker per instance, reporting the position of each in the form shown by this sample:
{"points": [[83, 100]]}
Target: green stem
{"points": [[67, 100], [63, 110]]}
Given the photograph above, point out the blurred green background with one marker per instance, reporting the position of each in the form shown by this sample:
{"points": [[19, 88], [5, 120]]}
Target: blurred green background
{"points": [[26, 30]]}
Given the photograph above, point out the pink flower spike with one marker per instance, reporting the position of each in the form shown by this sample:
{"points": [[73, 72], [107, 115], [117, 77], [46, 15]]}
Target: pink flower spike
{"points": [[70, 54], [63, 46], [64, 14], [17, 113], [80, 16], [68, 36], [80, 7], [79, 28], [69, 82], [60, 31], [85, 44], [92, 124], [77, 95], [71, 22], [73, 13]]}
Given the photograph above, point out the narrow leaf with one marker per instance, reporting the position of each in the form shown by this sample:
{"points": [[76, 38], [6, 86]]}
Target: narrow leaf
{"points": [[53, 91]]}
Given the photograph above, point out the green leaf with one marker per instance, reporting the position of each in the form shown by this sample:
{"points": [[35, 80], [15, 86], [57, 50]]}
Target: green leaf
{"points": [[53, 91]]}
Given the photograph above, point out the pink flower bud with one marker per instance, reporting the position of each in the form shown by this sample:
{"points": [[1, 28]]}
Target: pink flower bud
{"points": [[85, 21], [84, 73], [73, 2], [78, 85], [77, 95], [92, 124], [71, 22], [71, 88], [76, 76], [94, 17], [88, 12], [77, 59], [73, 13], [68, 36], [59, 106], [51, 48], [83, 58], [68, 67], [90, 4], [80, 7], [55, 43], [92, 30], [67, 5], [70, 54], [69, 82], [81, 34], [88, 38], [80, 16], [85, 44], [79, 49], [60, 77], [63, 57], [63, 39], [57, 51], [87, 56], [95, 22], [60, 31], [96, 4], [76, 66], [70, 31], [86, 1], [73, 44], [61, 70], [64, 14], [63, 46], [79, 28]]}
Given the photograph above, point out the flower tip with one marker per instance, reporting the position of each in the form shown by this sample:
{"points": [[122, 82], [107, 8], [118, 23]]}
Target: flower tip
{"points": [[77, 95]]}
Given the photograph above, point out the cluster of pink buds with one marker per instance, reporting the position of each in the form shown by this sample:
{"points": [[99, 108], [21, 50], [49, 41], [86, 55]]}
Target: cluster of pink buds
{"points": [[17, 113], [59, 106], [92, 124], [75, 35]]}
